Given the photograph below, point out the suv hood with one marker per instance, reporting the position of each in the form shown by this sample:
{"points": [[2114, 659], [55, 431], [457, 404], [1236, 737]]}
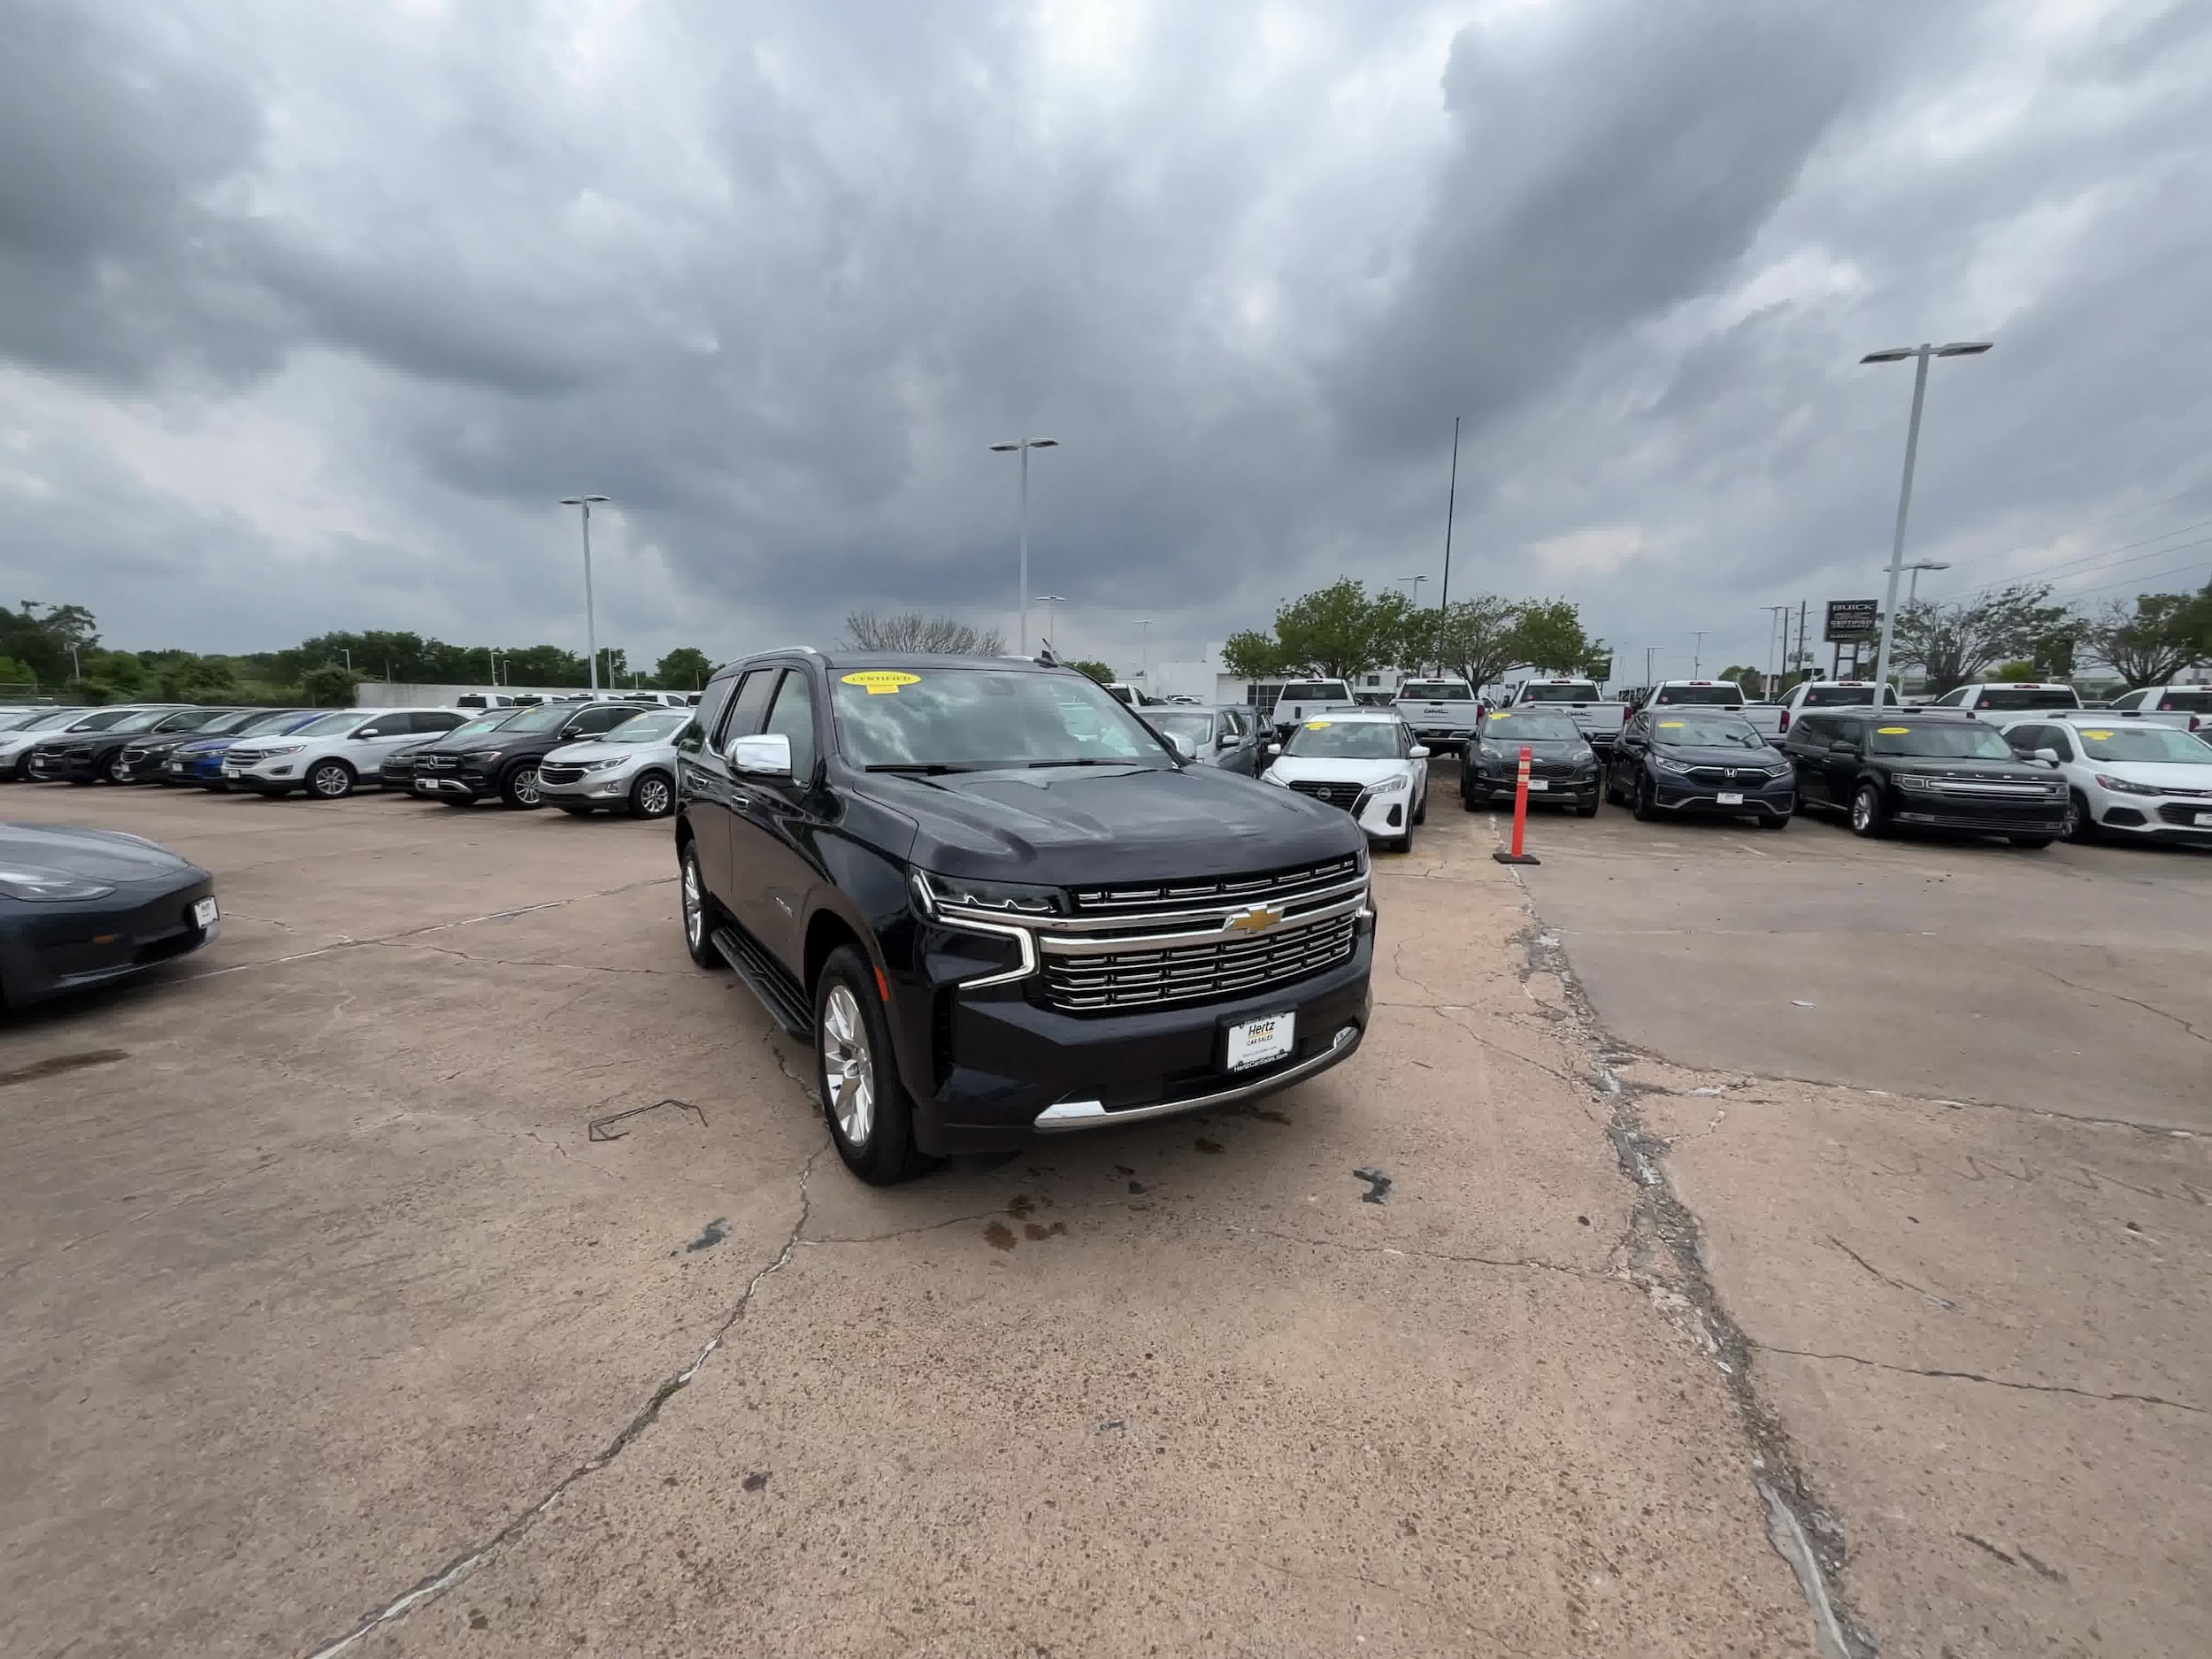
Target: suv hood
{"points": [[1759, 760], [1068, 826], [597, 748], [1319, 769]]}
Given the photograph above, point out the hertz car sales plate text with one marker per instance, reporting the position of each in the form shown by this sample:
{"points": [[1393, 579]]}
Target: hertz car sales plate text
{"points": [[1257, 1041]]}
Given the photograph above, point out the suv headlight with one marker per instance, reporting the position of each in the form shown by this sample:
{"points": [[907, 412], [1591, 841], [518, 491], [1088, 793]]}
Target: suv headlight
{"points": [[1274, 777], [996, 900], [1391, 786], [271, 753], [1664, 764], [481, 756], [2120, 786], [35, 883], [1915, 782]]}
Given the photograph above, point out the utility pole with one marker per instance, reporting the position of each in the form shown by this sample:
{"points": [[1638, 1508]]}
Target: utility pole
{"points": [[1697, 658], [1784, 611], [591, 620], [1023, 446], [1801, 627], [1647, 651], [1451, 506]]}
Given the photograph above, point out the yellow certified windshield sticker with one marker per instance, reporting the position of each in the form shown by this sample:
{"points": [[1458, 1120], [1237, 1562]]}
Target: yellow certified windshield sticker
{"points": [[1318, 725], [1891, 731], [882, 682], [2100, 736], [1500, 716], [1670, 726]]}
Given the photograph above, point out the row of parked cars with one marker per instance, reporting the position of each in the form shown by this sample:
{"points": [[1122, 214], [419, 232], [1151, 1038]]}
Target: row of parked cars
{"points": [[582, 756]]}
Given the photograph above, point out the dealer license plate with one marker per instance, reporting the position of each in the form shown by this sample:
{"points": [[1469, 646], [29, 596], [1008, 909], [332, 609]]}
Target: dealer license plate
{"points": [[1257, 1041], [203, 913], [1728, 799], [2204, 820], [1537, 785]]}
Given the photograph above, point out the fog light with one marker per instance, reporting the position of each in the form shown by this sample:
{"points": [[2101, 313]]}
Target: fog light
{"points": [[1397, 816]]}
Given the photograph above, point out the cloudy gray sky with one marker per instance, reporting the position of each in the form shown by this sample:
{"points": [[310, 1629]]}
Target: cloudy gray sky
{"points": [[308, 313]]}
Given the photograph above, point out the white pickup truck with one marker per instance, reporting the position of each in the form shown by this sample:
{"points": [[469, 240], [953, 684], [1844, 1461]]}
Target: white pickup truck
{"points": [[1300, 700], [1766, 717], [1598, 718], [2193, 701], [1445, 714], [1828, 694], [2009, 699]]}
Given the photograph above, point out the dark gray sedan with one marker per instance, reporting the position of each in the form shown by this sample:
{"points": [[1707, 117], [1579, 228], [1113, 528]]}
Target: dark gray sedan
{"points": [[1229, 737], [80, 907]]}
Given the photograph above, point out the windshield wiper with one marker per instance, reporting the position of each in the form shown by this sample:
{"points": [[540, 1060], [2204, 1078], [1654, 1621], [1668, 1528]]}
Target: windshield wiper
{"points": [[923, 768], [1130, 762]]}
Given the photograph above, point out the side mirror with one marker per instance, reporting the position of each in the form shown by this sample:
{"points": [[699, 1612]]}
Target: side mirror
{"points": [[1417, 753], [1272, 751], [1840, 748], [2050, 755], [366, 734], [767, 755]]}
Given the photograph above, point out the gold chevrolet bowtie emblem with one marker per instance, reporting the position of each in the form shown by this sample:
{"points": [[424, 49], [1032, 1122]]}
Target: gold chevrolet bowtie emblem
{"points": [[1257, 919]]}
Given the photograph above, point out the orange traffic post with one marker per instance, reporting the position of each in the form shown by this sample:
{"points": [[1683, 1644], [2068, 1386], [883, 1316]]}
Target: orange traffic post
{"points": [[1520, 821]]}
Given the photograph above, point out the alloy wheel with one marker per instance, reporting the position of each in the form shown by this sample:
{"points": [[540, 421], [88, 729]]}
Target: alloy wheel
{"points": [[652, 798], [848, 1068], [525, 786], [2076, 824], [695, 909], [1863, 811], [331, 782]]}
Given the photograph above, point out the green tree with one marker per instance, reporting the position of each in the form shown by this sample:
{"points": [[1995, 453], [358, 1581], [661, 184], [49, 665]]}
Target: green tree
{"points": [[2148, 642], [1753, 680], [329, 686], [2020, 672], [40, 635], [1476, 639], [1252, 655], [684, 669], [1549, 638], [1341, 630], [1099, 672], [1956, 644]]}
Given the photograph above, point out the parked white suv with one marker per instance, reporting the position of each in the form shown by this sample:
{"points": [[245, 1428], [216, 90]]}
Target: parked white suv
{"points": [[1364, 760], [2133, 780], [332, 756]]}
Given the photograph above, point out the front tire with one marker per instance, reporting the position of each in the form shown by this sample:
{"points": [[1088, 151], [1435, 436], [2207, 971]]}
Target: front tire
{"points": [[2080, 827], [1644, 807], [869, 1116], [652, 795], [1866, 811], [700, 913], [518, 789], [331, 781]]}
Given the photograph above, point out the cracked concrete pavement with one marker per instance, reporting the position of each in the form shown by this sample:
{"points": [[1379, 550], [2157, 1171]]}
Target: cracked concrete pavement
{"points": [[332, 1329], [1962, 1225]]}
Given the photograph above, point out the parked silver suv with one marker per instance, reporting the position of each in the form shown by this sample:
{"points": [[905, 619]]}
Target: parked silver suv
{"points": [[631, 769]]}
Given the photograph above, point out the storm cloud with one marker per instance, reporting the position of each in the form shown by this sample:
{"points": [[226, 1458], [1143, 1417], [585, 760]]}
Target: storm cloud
{"points": [[307, 315]]}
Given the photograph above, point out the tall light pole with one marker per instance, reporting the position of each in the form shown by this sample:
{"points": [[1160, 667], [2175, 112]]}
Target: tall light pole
{"points": [[1919, 354], [1697, 657], [1023, 446], [1144, 651], [1052, 616], [591, 620], [1784, 611], [1416, 581], [1912, 593], [1451, 506]]}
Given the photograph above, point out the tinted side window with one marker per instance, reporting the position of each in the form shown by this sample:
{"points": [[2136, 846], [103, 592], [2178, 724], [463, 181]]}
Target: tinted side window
{"points": [[1813, 731], [712, 702], [437, 721], [746, 709], [793, 717]]}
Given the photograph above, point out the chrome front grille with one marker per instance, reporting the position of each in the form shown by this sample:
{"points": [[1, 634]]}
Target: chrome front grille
{"points": [[1163, 898], [1739, 777], [560, 774], [1197, 973], [1344, 794]]}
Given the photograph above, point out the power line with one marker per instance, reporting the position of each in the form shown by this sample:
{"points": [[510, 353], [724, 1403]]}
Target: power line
{"points": [[2151, 576], [2082, 560], [2024, 547]]}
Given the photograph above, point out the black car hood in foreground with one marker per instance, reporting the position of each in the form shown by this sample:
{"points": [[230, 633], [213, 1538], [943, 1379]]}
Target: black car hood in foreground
{"points": [[97, 855], [1075, 825]]}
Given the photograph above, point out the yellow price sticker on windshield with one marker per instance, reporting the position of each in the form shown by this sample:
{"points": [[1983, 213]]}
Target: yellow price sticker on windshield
{"points": [[1499, 716], [1893, 731], [2100, 736], [882, 682], [1317, 726], [1670, 726]]}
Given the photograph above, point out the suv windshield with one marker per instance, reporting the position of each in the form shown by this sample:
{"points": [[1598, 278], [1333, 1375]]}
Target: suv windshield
{"points": [[1530, 726], [138, 722], [1959, 740], [269, 720], [649, 728], [547, 717], [974, 719], [1436, 691], [2028, 697], [1708, 731], [483, 723], [1571, 691], [1347, 740], [2144, 743], [1698, 696]]}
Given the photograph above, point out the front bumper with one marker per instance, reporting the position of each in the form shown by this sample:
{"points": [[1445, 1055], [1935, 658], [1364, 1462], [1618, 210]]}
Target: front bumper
{"points": [[1455, 737], [2180, 821], [1777, 799], [51, 949], [1576, 792], [46, 768], [458, 783], [1384, 817], [990, 1069], [609, 788]]}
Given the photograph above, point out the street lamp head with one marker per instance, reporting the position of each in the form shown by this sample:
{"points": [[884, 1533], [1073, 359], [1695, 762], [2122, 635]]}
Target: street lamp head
{"points": [[1025, 443], [1001, 448], [1053, 443], [1894, 354], [578, 501], [1964, 348], [1930, 565]]}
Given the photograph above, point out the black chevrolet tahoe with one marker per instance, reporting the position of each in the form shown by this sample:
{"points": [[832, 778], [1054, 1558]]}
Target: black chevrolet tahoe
{"points": [[998, 907], [1925, 770], [497, 754]]}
